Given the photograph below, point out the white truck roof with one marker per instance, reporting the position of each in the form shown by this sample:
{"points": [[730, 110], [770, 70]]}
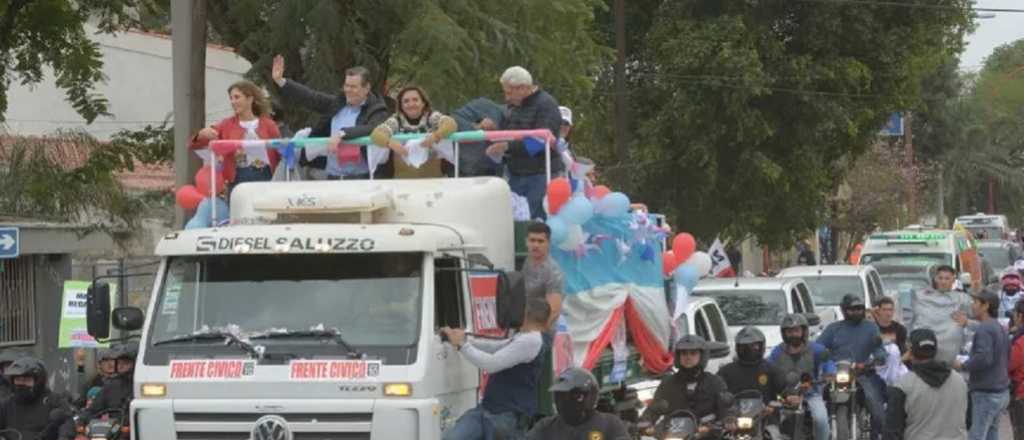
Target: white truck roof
{"points": [[341, 216]]}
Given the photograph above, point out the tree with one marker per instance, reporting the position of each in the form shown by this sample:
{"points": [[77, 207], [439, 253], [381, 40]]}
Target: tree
{"points": [[749, 109], [455, 49], [52, 33]]}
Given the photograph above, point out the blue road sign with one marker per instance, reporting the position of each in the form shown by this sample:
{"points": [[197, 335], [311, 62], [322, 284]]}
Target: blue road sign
{"points": [[10, 246], [894, 126]]}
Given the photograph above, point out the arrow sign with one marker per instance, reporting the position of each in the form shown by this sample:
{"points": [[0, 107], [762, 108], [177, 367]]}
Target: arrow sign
{"points": [[10, 246]]}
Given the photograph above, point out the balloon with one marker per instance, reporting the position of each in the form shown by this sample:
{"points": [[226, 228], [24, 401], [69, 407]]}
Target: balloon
{"points": [[613, 205], [577, 210], [203, 181], [188, 197], [600, 191], [701, 261], [559, 229], [687, 276], [683, 246], [574, 239], [559, 191], [668, 263]]}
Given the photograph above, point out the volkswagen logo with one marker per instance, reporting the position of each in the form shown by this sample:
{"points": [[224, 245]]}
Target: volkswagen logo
{"points": [[271, 428]]}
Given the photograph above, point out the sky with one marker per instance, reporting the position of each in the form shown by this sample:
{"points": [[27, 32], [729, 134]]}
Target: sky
{"points": [[991, 33]]}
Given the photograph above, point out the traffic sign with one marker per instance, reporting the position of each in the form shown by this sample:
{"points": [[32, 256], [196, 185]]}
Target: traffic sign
{"points": [[894, 125], [10, 246]]}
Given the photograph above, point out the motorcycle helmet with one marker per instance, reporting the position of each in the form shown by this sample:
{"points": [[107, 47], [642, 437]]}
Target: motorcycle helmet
{"points": [[794, 320], [852, 301], [125, 353], [575, 394], [750, 345], [27, 366], [688, 343]]}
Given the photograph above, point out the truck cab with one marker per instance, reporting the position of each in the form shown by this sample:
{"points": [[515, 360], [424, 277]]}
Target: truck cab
{"points": [[316, 312]]}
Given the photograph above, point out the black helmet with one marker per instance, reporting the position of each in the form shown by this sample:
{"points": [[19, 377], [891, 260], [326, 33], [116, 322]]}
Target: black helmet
{"points": [[851, 300], [750, 345], [127, 350], [794, 320], [106, 354], [575, 395], [692, 342], [28, 366]]}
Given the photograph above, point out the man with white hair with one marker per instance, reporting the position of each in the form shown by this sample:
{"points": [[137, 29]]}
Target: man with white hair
{"points": [[529, 108]]}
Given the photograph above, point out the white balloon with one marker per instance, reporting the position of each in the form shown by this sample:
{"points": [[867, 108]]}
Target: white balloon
{"points": [[702, 261], [573, 240]]}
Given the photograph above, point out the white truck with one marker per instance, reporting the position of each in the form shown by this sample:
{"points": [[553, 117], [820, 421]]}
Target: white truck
{"points": [[315, 314]]}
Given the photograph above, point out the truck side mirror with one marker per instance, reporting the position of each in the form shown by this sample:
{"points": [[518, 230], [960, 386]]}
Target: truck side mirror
{"points": [[812, 319], [128, 318], [97, 310], [511, 299], [718, 350]]}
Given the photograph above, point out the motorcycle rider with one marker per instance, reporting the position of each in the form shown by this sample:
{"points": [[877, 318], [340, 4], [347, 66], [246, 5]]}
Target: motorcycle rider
{"points": [[28, 410], [6, 358], [117, 392], [750, 370], [575, 394], [860, 341], [691, 388], [806, 358]]}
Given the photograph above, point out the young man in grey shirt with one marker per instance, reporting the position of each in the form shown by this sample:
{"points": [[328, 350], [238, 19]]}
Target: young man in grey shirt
{"points": [[543, 277]]}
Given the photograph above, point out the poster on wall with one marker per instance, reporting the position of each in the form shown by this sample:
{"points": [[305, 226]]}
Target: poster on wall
{"points": [[73, 329]]}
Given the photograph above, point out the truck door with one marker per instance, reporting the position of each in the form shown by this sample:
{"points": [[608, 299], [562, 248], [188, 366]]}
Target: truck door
{"points": [[459, 380]]}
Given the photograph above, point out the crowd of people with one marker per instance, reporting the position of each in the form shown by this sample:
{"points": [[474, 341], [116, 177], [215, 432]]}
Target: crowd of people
{"points": [[31, 410], [358, 112]]}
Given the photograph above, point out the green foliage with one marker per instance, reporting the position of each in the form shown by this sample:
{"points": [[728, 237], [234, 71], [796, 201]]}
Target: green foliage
{"points": [[746, 112], [52, 33], [455, 49]]}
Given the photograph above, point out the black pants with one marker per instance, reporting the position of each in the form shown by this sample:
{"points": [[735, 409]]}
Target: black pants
{"points": [[1016, 411]]}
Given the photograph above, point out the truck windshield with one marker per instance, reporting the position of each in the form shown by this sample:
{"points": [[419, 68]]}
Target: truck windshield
{"points": [[830, 290], [750, 307], [372, 299]]}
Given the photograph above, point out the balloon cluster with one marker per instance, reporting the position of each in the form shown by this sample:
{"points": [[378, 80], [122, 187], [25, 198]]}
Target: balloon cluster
{"points": [[569, 211], [684, 262], [199, 197]]}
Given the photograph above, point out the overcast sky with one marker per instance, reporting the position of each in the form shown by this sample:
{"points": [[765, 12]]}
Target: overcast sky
{"points": [[993, 32]]}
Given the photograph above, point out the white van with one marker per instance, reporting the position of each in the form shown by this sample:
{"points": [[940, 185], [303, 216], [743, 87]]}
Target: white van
{"points": [[985, 226]]}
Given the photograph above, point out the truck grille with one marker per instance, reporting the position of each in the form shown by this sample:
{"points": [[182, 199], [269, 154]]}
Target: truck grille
{"points": [[304, 426]]}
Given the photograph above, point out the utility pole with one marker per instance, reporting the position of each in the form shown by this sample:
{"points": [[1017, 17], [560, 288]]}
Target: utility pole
{"points": [[188, 38], [620, 81], [908, 139]]}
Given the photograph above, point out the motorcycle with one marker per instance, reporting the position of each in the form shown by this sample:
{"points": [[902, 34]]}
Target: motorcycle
{"points": [[111, 424], [794, 417], [750, 415], [850, 420], [679, 424]]}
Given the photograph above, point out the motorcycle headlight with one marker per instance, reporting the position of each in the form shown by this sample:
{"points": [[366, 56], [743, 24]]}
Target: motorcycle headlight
{"points": [[745, 423], [843, 377]]}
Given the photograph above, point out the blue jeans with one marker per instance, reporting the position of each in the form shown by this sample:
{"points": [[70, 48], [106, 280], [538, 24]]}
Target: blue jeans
{"points": [[478, 424], [533, 187], [874, 398], [986, 407], [819, 415]]}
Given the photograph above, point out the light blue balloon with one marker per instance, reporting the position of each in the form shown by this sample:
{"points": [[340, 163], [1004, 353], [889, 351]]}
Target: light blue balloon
{"points": [[687, 276], [577, 211], [559, 229], [613, 205]]}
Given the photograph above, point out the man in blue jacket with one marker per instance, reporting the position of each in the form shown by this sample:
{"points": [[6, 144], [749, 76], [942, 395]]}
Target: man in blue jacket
{"points": [[805, 358], [860, 342]]}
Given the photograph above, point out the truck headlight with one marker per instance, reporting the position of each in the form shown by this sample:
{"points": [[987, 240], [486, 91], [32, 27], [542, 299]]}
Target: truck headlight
{"points": [[154, 390], [843, 377], [745, 423]]}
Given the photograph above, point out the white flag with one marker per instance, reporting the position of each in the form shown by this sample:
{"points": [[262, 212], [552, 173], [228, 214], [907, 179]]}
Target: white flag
{"points": [[204, 155], [721, 267]]}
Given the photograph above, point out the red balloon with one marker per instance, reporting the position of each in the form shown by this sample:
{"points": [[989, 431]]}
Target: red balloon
{"points": [[203, 181], [601, 191], [559, 191], [683, 246], [188, 197], [668, 262]]}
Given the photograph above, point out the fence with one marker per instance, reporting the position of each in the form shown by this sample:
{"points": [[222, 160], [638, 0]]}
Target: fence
{"points": [[17, 301]]}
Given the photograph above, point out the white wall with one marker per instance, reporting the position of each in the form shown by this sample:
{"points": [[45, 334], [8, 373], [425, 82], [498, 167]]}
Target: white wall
{"points": [[138, 87]]}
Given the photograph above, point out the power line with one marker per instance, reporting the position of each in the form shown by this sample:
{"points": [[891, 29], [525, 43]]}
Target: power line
{"points": [[912, 5]]}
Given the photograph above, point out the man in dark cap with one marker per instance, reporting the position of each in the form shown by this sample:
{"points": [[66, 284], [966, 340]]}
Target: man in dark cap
{"points": [[930, 401]]}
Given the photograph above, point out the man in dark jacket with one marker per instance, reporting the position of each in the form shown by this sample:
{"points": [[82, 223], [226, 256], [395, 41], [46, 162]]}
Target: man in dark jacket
{"points": [[691, 388], [529, 108], [7, 357], [28, 411], [750, 370], [988, 365], [478, 114], [353, 115], [930, 402], [575, 395]]}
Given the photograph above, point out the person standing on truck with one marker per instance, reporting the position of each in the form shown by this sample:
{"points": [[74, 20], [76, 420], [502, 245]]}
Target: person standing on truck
{"points": [[543, 277], [415, 115], [575, 395], [353, 115], [513, 366], [250, 121], [928, 403], [944, 311], [808, 359], [529, 108]]}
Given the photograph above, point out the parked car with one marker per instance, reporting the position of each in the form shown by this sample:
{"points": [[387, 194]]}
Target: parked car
{"points": [[760, 302], [830, 283]]}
